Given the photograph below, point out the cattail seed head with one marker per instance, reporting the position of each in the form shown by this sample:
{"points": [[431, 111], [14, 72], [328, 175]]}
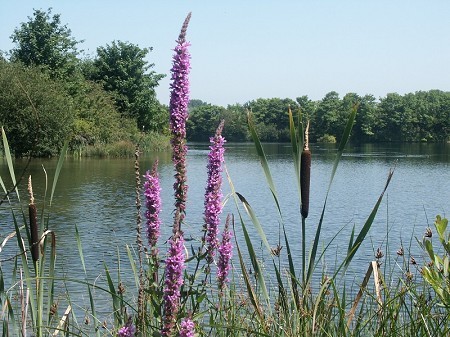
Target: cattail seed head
{"points": [[305, 175]]}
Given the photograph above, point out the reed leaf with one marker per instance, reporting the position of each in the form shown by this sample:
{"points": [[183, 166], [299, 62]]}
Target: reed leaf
{"points": [[91, 298], [59, 165], [263, 161], [249, 245], [253, 217], [296, 134], [251, 292], [9, 163], [365, 229], [344, 140], [115, 297]]}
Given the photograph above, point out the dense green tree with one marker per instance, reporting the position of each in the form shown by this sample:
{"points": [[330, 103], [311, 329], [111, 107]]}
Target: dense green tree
{"points": [[122, 70], [194, 103], [96, 119], [203, 121], [363, 130], [235, 128], [390, 118], [329, 118], [35, 110], [43, 41], [271, 117]]}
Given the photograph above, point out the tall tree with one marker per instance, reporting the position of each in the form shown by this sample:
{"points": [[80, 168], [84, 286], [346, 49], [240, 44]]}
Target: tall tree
{"points": [[43, 41], [271, 117], [363, 130], [122, 70], [328, 116]]}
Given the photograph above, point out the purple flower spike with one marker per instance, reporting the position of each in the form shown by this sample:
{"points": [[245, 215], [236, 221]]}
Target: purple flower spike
{"points": [[213, 193], [152, 192], [187, 328], [128, 330], [173, 282], [225, 254], [179, 99]]}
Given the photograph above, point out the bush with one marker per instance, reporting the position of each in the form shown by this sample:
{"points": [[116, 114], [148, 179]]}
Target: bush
{"points": [[326, 138], [36, 112]]}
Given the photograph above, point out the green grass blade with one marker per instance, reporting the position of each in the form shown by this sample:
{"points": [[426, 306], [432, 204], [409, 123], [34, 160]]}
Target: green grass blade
{"points": [[255, 220], [114, 295], [249, 244], [256, 266], [251, 292], [133, 267], [291, 270], [263, 161], [344, 140], [61, 158], [80, 248], [363, 233], [9, 163], [296, 135]]}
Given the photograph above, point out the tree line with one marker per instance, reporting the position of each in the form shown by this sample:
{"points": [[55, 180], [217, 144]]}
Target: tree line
{"points": [[423, 116], [49, 92]]}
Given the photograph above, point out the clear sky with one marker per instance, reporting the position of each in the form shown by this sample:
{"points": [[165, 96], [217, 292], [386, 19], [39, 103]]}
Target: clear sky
{"points": [[243, 50]]}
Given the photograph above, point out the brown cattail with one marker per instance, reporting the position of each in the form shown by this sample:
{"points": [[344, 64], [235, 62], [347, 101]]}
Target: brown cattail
{"points": [[32, 211], [305, 174]]}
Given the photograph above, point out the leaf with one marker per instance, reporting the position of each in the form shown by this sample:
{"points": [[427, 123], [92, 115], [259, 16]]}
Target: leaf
{"points": [[61, 158], [9, 162], [365, 230], [263, 161], [255, 220], [429, 248]]}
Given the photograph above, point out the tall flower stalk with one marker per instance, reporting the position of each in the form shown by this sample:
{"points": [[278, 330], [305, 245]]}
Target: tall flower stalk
{"points": [[213, 193], [179, 99], [173, 282], [152, 191], [225, 254]]}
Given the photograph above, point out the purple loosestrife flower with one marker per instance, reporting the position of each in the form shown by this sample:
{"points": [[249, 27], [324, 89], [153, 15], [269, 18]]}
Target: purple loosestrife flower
{"points": [[128, 330], [173, 282], [152, 192], [178, 106], [187, 328], [213, 193], [225, 254]]}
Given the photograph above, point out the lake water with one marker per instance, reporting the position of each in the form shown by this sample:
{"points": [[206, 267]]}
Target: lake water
{"points": [[98, 196]]}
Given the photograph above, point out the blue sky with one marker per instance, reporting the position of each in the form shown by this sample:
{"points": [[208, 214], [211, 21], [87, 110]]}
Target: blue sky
{"points": [[243, 50]]}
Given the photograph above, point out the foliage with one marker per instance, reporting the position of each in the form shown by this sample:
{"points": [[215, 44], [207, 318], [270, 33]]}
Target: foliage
{"points": [[122, 70], [43, 41], [414, 117], [203, 116], [96, 119], [271, 118], [202, 121], [437, 272], [36, 111]]}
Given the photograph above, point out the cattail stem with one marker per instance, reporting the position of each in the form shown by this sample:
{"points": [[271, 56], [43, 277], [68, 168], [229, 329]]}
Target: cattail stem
{"points": [[34, 230], [305, 175]]}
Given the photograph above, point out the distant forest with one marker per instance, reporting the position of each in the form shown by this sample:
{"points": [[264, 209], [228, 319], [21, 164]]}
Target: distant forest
{"points": [[423, 116]]}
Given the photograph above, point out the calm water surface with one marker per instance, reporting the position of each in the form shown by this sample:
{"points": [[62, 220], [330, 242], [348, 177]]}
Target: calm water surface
{"points": [[98, 196]]}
